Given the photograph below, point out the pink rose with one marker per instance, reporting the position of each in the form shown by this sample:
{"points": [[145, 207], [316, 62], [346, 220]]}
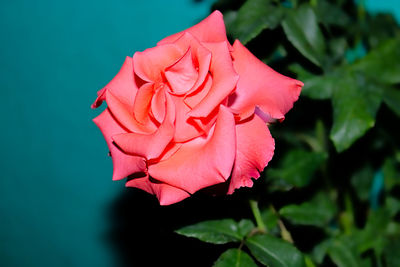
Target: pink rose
{"points": [[192, 112]]}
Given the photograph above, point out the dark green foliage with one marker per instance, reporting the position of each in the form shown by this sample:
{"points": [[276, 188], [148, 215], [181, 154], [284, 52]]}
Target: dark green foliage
{"points": [[217, 232], [331, 195], [273, 251], [254, 17], [318, 212], [235, 257], [301, 28], [296, 169]]}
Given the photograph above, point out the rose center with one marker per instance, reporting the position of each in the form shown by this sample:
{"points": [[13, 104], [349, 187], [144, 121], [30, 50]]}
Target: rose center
{"points": [[182, 75]]}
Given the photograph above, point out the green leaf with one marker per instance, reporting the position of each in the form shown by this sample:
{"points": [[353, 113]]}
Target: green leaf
{"points": [[373, 234], [296, 169], [355, 103], [315, 86], [391, 97], [337, 51], [343, 255], [390, 173], [391, 253], [380, 28], [229, 20], [362, 182], [245, 227], [302, 30], [330, 14], [393, 228], [366, 262], [253, 17], [393, 205], [382, 63], [270, 219], [274, 252], [318, 212], [216, 232], [342, 250], [319, 87], [320, 250], [235, 258]]}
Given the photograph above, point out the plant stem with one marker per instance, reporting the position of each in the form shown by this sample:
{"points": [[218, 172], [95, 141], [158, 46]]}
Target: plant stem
{"points": [[346, 218], [257, 215], [284, 232]]}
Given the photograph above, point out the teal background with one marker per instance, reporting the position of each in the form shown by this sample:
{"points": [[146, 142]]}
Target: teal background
{"points": [[55, 183], [391, 6]]}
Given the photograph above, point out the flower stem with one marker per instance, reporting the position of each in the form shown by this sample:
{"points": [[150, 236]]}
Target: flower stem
{"points": [[257, 215]]}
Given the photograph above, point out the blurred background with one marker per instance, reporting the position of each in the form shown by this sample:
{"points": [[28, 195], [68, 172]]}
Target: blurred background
{"points": [[58, 205]]}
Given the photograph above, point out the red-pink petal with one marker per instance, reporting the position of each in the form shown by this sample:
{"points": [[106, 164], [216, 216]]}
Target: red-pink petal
{"points": [[185, 127], [201, 57], [211, 29], [166, 194], [124, 165], [201, 162], [158, 105], [182, 75], [141, 109], [261, 86], [101, 96], [150, 64], [170, 150], [206, 123], [224, 80], [196, 97], [149, 146], [122, 86], [124, 115], [254, 149]]}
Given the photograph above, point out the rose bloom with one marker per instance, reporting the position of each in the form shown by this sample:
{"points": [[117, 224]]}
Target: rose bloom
{"points": [[193, 112]]}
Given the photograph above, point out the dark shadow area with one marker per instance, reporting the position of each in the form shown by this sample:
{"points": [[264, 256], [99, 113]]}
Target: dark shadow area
{"points": [[142, 231]]}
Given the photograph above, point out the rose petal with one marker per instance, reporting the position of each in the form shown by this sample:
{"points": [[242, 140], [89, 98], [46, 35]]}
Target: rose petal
{"points": [[211, 29], [166, 194], [142, 106], [122, 113], [201, 162], [202, 57], [149, 146], [254, 149], [206, 123], [185, 128], [182, 75], [150, 64], [124, 165], [195, 98], [101, 96], [261, 86], [202, 124], [158, 105], [170, 150], [122, 86], [224, 80]]}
